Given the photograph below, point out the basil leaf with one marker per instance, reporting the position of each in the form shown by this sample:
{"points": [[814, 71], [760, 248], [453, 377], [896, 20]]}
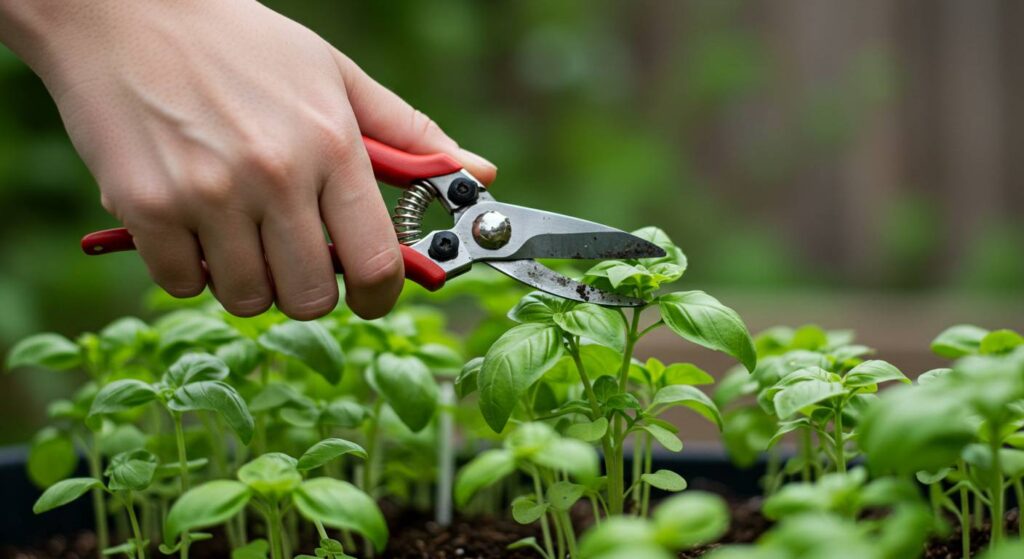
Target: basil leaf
{"points": [[702, 319], [873, 372], [408, 387], [49, 351], [666, 480], [958, 341], [596, 323], [1000, 341], [241, 356], [273, 476], [800, 395], [51, 457], [622, 536], [127, 332], [310, 343], [516, 360], [195, 367], [665, 438], [526, 509], [466, 382], [341, 505], [131, 471], [693, 518], [327, 450], [122, 395], [562, 495], [690, 397], [64, 492], [685, 373], [190, 329], [538, 307], [440, 359], [487, 468], [571, 456], [209, 504], [219, 397], [588, 431]]}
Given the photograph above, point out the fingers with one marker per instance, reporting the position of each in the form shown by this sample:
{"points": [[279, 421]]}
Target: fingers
{"points": [[234, 257], [173, 258], [360, 226], [384, 116], [304, 278]]}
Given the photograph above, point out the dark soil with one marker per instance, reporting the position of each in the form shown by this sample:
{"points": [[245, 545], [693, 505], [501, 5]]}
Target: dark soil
{"points": [[416, 536]]}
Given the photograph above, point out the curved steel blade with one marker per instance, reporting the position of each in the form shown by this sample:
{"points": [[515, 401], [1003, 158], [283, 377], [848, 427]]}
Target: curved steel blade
{"points": [[542, 234], [537, 275]]}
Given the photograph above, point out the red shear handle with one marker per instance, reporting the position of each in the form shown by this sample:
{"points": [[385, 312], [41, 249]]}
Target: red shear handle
{"points": [[398, 168], [418, 268]]}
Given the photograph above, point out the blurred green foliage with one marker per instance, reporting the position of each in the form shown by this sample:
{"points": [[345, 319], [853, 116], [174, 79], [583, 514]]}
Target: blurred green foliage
{"points": [[587, 107]]}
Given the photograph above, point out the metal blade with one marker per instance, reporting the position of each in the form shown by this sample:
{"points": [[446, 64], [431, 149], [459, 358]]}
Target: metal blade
{"points": [[537, 275], [541, 234]]}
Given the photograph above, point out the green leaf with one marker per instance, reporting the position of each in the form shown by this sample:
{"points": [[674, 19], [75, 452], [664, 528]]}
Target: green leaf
{"points": [[958, 341], [466, 382], [51, 457], [516, 360], [685, 373], [914, 428], [310, 343], [341, 505], [256, 549], [408, 387], [241, 356], [173, 469], [125, 332], [64, 492], [327, 450], [1000, 341], [701, 319], [666, 480], [487, 468], [588, 431], [195, 367], [49, 351], [219, 397], [526, 509], [131, 471], [562, 495], [273, 396], [273, 476], [624, 535], [209, 504], [598, 324], [538, 307], [193, 330], [343, 413], [690, 397], [440, 359], [122, 395], [665, 438], [693, 518], [873, 372], [934, 375], [571, 456], [800, 395]]}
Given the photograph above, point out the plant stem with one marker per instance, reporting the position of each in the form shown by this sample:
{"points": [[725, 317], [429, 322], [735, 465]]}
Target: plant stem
{"points": [[179, 435], [273, 517], [1018, 490], [445, 456], [371, 463], [997, 488], [607, 445], [965, 513], [320, 529], [840, 443], [129, 506], [645, 488], [615, 471], [99, 505], [538, 491], [805, 445]]}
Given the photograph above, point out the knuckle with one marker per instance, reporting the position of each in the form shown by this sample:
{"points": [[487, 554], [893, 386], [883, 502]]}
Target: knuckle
{"points": [[211, 186], [148, 206], [311, 304], [337, 144], [269, 161], [384, 267]]}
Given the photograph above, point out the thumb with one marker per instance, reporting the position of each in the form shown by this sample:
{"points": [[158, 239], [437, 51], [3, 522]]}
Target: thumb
{"points": [[384, 116]]}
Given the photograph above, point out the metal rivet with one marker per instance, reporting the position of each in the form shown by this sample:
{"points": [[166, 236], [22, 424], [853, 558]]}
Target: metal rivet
{"points": [[492, 230]]}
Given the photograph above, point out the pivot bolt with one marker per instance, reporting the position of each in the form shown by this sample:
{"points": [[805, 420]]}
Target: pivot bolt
{"points": [[492, 230], [444, 246], [463, 192]]}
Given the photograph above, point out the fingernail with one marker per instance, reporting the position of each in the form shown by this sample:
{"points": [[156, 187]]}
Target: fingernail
{"points": [[474, 160]]}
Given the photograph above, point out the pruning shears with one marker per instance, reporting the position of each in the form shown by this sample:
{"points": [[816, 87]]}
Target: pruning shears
{"points": [[506, 237]]}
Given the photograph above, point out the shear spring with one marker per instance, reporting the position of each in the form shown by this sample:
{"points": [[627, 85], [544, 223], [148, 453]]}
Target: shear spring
{"points": [[408, 216]]}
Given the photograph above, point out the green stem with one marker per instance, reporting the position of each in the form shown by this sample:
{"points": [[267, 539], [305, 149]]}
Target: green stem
{"points": [[320, 530], [840, 443], [645, 488], [570, 533], [997, 490], [179, 435], [965, 514], [99, 505], [273, 516], [371, 463], [607, 445], [806, 445], [615, 472], [129, 506], [538, 491], [1018, 490]]}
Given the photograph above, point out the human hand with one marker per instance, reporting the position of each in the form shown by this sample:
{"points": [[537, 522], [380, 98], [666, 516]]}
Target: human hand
{"points": [[225, 132]]}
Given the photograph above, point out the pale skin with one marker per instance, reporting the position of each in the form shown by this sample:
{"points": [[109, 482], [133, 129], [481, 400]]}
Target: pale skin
{"points": [[224, 132]]}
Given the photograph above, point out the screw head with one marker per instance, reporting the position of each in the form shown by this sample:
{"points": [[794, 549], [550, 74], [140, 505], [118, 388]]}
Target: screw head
{"points": [[463, 192], [492, 230], [443, 246]]}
